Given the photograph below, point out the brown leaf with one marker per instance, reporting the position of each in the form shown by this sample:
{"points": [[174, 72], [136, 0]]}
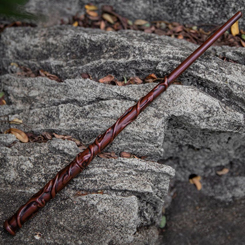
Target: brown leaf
{"points": [[134, 80], [86, 75], [119, 83], [92, 13], [223, 171], [159, 32], [107, 79], [180, 36], [47, 135], [91, 7], [78, 143], [16, 121], [243, 43], [196, 180], [50, 76], [140, 22], [108, 155], [178, 28], [235, 29], [150, 78], [2, 101], [63, 137], [75, 23], [102, 25], [108, 18], [19, 134], [109, 29], [126, 154]]}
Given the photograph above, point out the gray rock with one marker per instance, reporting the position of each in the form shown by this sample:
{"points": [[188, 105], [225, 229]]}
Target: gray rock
{"points": [[133, 195], [197, 128], [187, 11]]}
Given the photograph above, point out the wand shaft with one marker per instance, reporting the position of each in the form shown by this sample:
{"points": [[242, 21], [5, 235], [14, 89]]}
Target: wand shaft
{"points": [[82, 160]]}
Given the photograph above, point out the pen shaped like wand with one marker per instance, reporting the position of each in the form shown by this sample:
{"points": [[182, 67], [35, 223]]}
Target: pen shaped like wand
{"points": [[83, 159]]}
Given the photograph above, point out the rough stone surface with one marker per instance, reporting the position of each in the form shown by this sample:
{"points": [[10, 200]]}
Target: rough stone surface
{"points": [[133, 196], [187, 11], [197, 128]]}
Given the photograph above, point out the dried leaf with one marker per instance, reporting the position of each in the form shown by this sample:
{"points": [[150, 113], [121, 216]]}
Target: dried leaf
{"points": [[180, 36], [107, 79], [196, 180], [126, 154], [19, 134], [2, 102], [243, 43], [150, 78], [109, 29], [16, 121], [235, 29], [108, 155], [140, 22], [92, 13], [76, 141], [50, 76], [91, 7], [47, 135], [108, 18], [223, 171], [134, 80], [63, 137], [102, 25], [178, 28], [75, 23]]}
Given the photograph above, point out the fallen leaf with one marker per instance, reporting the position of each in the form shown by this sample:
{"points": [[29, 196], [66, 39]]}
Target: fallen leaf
{"points": [[78, 143], [180, 36], [126, 154], [19, 134], [235, 29], [243, 43], [91, 7], [107, 79], [140, 22], [47, 135], [63, 137], [109, 29], [92, 13], [108, 155], [242, 32], [223, 171], [150, 78], [75, 23], [16, 121], [178, 28], [50, 76], [196, 180], [134, 80], [102, 25], [163, 222], [2, 102], [243, 36], [108, 18]]}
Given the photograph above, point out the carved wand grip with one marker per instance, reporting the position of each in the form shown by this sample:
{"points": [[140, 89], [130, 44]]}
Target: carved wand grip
{"points": [[84, 158]]}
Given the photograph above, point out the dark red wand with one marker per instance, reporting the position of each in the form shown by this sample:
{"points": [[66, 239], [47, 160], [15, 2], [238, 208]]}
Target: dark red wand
{"points": [[84, 158]]}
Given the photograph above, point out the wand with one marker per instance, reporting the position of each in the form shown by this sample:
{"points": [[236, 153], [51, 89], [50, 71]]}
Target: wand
{"points": [[82, 160]]}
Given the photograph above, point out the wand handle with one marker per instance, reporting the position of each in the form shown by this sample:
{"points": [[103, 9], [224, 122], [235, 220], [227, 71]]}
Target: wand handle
{"points": [[82, 160]]}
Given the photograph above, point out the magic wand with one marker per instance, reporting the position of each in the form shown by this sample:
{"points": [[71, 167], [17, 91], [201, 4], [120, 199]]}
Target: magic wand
{"points": [[83, 159]]}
